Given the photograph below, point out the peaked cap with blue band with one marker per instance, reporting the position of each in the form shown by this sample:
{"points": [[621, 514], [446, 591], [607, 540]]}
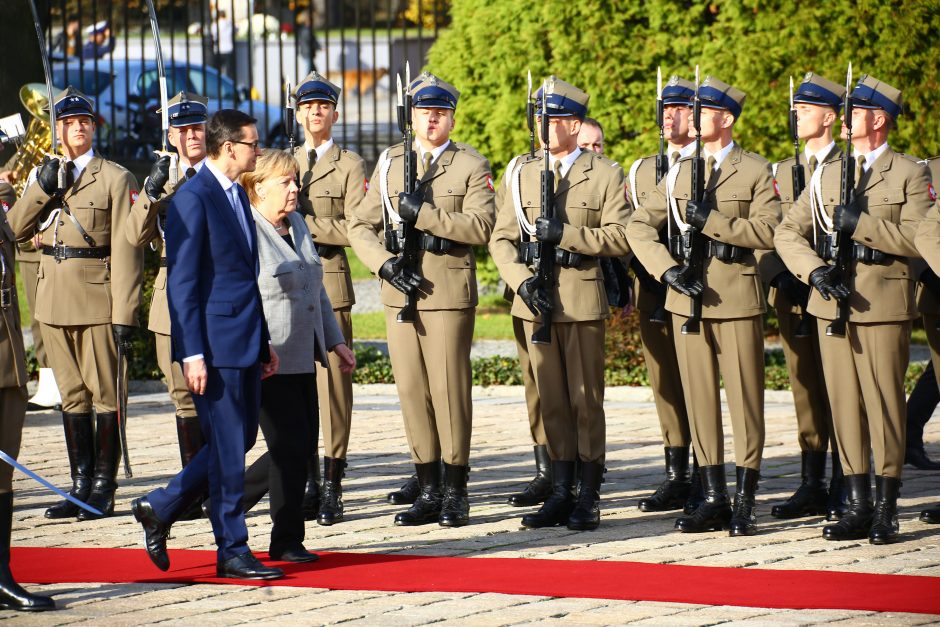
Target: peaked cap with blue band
{"points": [[315, 87], [71, 103], [186, 108], [564, 99], [716, 94], [429, 92], [871, 93], [678, 91], [819, 90]]}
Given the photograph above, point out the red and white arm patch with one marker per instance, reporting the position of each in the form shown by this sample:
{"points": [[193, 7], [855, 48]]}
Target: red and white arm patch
{"points": [[365, 185], [489, 183], [5, 205], [776, 188], [134, 195], [931, 191]]}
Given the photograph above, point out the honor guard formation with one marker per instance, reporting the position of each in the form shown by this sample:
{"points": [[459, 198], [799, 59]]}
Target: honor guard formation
{"points": [[254, 290]]}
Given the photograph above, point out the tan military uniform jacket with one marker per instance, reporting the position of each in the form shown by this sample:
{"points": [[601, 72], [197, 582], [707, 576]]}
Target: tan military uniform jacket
{"points": [[894, 197], [927, 302], [328, 194], [645, 178], [86, 291], [12, 352], [591, 202], [459, 205], [25, 250], [746, 210]]}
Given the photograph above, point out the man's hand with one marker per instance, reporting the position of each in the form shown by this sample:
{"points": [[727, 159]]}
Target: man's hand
{"points": [[549, 230], [696, 214], [48, 175], [347, 359], [827, 281], [409, 206], [271, 368], [7, 176], [845, 218], [159, 175], [122, 333], [535, 296], [796, 291], [401, 278], [196, 375], [678, 278]]}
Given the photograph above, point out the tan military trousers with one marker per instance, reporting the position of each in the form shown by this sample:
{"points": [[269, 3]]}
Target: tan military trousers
{"points": [[569, 375], [84, 362], [12, 415], [173, 373], [804, 364], [334, 389], [659, 352], [431, 363], [735, 349], [536, 426], [865, 375], [29, 270]]}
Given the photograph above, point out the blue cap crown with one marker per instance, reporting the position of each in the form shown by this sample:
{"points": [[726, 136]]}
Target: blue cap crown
{"points": [[818, 90], [564, 100], [678, 91], [429, 92], [72, 102], [315, 87], [185, 109], [871, 93], [716, 94]]}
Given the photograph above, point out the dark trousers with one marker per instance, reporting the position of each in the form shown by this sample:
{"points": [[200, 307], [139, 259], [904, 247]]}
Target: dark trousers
{"points": [[228, 415], [290, 423], [921, 404]]}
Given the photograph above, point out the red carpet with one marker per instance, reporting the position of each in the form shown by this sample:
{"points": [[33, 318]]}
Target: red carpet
{"points": [[751, 587]]}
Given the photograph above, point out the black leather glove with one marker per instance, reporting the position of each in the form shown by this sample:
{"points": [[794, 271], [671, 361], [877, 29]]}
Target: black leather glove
{"points": [[122, 333], [845, 218], [696, 214], [679, 279], [159, 175], [535, 296], [409, 205], [795, 290], [931, 281], [401, 278], [827, 281], [549, 230], [48, 175]]}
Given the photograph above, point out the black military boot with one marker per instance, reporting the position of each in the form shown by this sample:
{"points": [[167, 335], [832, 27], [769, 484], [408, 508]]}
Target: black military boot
{"points": [[714, 514], [931, 516], [455, 507], [12, 596], [674, 491], [744, 514], [541, 486], [856, 522], [80, 444], [838, 502], [106, 466], [311, 502], [811, 498], [331, 492], [407, 494], [696, 491], [586, 515], [189, 434], [557, 507], [427, 507], [884, 524]]}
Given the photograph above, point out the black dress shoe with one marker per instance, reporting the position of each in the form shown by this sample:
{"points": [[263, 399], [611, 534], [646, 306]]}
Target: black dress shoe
{"points": [[407, 494], [931, 516], [916, 456], [297, 555], [246, 566], [155, 532]]}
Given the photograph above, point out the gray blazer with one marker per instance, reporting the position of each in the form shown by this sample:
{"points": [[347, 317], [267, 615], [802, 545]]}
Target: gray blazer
{"points": [[296, 307]]}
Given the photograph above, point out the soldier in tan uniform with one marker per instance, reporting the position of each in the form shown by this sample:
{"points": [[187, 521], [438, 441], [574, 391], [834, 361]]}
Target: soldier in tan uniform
{"points": [[659, 347], [865, 368], [738, 216], [332, 183], [451, 211], [187, 115], [87, 296], [817, 102], [591, 211]]}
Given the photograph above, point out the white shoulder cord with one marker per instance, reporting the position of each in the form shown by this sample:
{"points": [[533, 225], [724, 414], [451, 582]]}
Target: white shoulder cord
{"points": [[389, 212], [817, 207], [632, 178], [773, 168], [515, 183], [671, 178]]}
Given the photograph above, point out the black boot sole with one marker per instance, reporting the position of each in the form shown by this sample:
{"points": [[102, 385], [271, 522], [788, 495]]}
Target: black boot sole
{"points": [[417, 523]]}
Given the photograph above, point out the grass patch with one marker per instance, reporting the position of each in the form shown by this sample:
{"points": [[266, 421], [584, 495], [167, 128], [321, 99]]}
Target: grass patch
{"points": [[369, 326], [357, 270], [489, 326], [25, 318], [918, 335]]}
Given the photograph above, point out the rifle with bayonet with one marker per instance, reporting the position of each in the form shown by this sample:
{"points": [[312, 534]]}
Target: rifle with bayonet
{"points": [[530, 115], [840, 244], [658, 315], [693, 240], [545, 255], [805, 326], [409, 233]]}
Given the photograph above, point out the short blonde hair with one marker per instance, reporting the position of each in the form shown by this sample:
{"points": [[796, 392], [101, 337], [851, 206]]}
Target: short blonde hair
{"points": [[271, 163]]}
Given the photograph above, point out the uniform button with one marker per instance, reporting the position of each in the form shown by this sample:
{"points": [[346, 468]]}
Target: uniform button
{"points": [[310, 308], [326, 191], [584, 204], [886, 200], [91, 204], [61, 223], [734, 195], [301, 266]]}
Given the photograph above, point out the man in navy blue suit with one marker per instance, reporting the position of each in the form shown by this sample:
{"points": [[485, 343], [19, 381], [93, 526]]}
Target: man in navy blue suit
{"points": [[219, 335]]}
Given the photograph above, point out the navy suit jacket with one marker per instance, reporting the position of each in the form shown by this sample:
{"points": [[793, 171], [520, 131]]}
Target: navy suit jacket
{"points": [[212, 277]]}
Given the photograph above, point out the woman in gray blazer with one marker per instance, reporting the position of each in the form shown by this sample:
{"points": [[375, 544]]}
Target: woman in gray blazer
{"points": [[302, 327]]}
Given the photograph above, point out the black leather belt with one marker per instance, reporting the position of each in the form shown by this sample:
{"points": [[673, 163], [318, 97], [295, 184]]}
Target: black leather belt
{"points": [[860, 252], [727, 253], [74, 252], [426, 242], [528, 251], [326, 250]]}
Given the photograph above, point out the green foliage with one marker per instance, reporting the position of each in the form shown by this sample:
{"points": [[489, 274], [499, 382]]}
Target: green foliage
{"points": [[496, 371], [623, 351], [369, 325], [143, 352], [25, 318], [372, 366], [611, 48]]}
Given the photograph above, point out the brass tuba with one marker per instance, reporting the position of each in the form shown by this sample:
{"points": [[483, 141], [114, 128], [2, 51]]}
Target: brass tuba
{"points": [[38, 139]]}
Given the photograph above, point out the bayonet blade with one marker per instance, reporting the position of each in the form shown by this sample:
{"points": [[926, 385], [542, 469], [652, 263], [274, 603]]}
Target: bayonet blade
{"points": [[528, 95], [791, 92], [659, 83]]}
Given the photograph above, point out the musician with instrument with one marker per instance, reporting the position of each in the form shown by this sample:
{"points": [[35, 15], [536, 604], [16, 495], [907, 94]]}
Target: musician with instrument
{"points": [[721, 205], [557, 216], [418, 240]]}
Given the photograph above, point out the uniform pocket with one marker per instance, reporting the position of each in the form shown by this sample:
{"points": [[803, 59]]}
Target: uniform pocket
{"points": [[735, 202], [451, 197], [328, 201]]}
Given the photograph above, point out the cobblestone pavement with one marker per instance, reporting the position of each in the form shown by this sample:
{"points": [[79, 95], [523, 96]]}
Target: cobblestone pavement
{"points": [[502, 462]]}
